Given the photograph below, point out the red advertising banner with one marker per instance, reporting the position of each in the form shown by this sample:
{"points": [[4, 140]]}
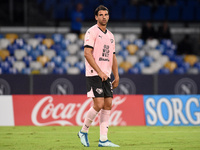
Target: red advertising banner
{"points": [[47, 110]]}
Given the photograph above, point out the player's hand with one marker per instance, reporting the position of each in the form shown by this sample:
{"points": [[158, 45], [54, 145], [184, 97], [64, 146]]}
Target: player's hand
{"points": [[115, 83], [103, 76]]}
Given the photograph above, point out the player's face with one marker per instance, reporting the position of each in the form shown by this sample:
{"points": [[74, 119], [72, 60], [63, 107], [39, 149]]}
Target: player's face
{"points": [[102, 17]]}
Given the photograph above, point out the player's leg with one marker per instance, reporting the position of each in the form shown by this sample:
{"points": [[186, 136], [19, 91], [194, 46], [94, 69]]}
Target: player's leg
{"points": [[104, 124], [94, 88], [105, 116], [92, 112]]}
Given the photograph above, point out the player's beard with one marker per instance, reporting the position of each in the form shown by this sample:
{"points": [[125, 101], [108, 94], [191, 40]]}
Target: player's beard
{"points": [[103, 23]]}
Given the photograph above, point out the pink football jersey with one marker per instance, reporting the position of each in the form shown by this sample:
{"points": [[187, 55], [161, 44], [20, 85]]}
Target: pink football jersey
{"points": [[103, 45]]}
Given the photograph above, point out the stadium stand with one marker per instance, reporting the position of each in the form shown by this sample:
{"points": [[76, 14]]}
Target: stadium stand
{"points": [[134, 56], [63, 53]]}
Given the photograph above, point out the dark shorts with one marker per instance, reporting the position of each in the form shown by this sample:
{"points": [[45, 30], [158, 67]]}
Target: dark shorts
{"points": [[97, 88]]}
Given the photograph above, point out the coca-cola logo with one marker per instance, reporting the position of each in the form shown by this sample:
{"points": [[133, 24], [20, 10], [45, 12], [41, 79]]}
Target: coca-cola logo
{"points": [[47, 112]]}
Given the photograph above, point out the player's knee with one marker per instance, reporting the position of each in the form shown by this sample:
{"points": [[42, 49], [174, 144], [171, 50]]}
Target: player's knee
{"points": [[109, 107], [99, 106]]}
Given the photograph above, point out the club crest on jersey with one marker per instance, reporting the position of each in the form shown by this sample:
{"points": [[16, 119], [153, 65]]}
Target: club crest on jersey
{"points": [[87, 38], [99, 90], [111, 40]]}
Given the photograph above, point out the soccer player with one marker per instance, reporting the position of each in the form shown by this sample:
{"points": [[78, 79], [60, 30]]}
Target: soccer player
{"points": [[100, 61]]}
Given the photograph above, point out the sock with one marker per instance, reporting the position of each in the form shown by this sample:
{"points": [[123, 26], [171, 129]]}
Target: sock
{"points": [[91, 114], [104, 124]]}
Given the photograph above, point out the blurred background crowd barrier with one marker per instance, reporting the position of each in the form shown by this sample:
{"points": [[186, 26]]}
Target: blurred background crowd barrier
{"points": [[75, 84]]}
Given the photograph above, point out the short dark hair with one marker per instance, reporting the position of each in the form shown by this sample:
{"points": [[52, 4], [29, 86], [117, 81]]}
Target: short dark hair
{"points": [[100, 7]]}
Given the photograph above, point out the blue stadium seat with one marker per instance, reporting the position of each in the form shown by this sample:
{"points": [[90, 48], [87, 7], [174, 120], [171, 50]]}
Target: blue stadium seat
{"points": [[124, 43], [139, 65], [12, 71], [187, 13], [197, 65], [123, 53], [49, 4], [134, 70], [185, 66], [35, 53], [139, 42], [59, 12], [65, 43], [164, 71], [108, 3], [28, 48], [81, 66], [123, 3], [20, 43], [26, 71], [173, 13], [169, 53], [78, 1], [4, 66], [63, 54], [160, 13], [144, 13], [197, 13], [50, 66], [161, 48], [40, 1], [178, 59], [58, 70], [192, 3], [181, 2], [65, 65], [179, 70], [57, 48], [167, 43], [131, 13], [92, 2], [40, 36], [88, 11], [27, 60], [11, 48], [41, 48], [10, 60], [121, 71], [64, 2], [147, 60], [57, 60], [1, 36], [57, 37], [116, 12]]}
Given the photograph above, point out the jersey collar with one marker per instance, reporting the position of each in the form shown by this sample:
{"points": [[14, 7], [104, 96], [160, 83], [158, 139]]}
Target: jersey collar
{"points": [[102, 30]]}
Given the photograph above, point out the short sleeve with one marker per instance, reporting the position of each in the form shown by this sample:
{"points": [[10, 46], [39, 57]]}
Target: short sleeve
{"points": [[89, 38], [113, 44]]}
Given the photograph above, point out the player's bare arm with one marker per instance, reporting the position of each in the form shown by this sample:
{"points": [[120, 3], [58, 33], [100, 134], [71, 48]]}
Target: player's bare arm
{"points": [[89, 57], [115, 83]]}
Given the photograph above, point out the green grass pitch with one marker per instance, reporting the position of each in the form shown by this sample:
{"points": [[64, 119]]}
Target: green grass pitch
{"points": [[128, 137]]}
